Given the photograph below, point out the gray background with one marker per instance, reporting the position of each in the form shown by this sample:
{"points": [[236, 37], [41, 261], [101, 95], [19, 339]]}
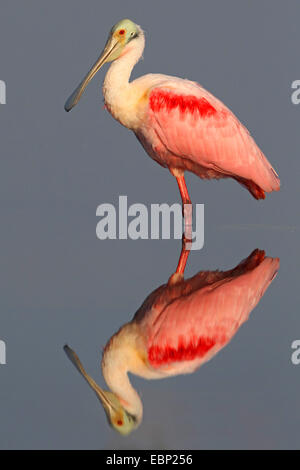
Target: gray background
{"points": [[60, 284]]}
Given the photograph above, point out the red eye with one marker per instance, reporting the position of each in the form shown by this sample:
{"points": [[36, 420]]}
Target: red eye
{"points": [[120, 423], [122, 32]]}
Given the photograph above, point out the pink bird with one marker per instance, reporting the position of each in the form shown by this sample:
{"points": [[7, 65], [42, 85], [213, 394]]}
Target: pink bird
{"points": [[180, 124], [179, 327]]}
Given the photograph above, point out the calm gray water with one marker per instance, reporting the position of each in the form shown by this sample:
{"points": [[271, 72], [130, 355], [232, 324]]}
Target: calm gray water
{"points": [[60, 284]]}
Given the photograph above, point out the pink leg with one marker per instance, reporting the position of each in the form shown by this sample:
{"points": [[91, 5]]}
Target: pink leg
{"points": [[186, 207], [187, 236], [183, 258], [179, 273], [183, 190]]}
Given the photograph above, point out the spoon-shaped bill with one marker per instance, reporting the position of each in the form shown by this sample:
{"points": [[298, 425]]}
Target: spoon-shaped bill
{"points": [[101, 394], [112, 46]]}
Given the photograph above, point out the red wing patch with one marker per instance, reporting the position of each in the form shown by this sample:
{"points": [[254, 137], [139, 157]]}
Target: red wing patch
{"points": [[252, 187], [161, 99], [184, 352]]}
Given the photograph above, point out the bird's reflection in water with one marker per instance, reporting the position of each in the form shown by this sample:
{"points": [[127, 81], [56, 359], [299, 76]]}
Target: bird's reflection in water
{"points": [[180, 325]]}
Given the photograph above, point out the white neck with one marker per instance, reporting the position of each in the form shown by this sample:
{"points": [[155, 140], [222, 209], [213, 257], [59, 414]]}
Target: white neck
{"points": [[117, 361], [118, 94]]}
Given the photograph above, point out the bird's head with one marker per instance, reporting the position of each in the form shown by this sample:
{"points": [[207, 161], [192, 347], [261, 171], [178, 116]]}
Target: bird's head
{"points": [[117, 416], [121, 34]]}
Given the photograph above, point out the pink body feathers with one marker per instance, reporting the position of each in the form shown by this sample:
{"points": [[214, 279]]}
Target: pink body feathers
{"points": [[185, 324], [187, 128]]}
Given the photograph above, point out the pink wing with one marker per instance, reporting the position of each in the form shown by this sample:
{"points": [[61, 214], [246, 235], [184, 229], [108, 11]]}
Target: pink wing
{"points": [[206, 313], [192, 124]]}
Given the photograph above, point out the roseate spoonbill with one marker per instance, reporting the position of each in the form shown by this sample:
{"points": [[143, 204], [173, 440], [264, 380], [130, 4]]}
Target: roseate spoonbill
{"points": [[180, 325], [180, 124]]}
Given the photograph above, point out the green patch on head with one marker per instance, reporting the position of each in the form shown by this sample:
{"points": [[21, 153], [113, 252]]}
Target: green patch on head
{"points": [[127, 29]]}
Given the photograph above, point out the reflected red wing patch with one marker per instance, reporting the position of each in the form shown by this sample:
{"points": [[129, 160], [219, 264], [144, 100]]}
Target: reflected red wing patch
{"points": [[167, 100], [184, 352]]}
